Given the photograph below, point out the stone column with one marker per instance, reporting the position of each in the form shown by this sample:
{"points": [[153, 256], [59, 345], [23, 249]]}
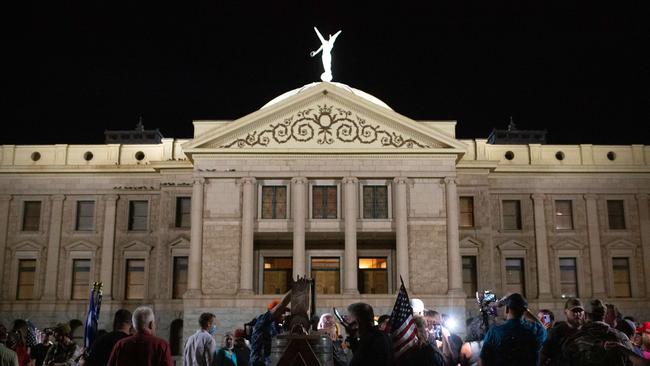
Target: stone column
{"points": [[53, 248], [401, 230], [454, 264], [644, 225], [5, 201], [108, 245], [541, 248], [595, 253], [196, 239], [351, 204], [299, 213], [249, 186]]}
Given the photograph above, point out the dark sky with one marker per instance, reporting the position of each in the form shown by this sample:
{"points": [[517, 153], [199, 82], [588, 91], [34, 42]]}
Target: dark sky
{"points": [[75, 68]]}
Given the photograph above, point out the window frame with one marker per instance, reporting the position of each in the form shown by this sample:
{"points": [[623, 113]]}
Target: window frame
{"points": [[71, 284], [328, 254], [135, 250], [177, 199], [268, 253], [473, 198], [389, 195], [513, 249], [21, 220], [128, 216], [626, 219], [273, 182], [572, 203], [577, 276], [274, 187], [502, 215], [18, 272], [390, 270], [328, 183], [76, 215], [630, 255], [178, 248], [25, 250]]}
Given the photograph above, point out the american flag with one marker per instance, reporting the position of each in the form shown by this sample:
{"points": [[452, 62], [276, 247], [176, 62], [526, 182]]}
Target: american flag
{"points": [[401, 323]]}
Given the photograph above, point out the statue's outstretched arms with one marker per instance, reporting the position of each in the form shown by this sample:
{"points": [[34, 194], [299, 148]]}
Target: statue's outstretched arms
{"points": [[314, 53], [322, 40], [333, 38]]}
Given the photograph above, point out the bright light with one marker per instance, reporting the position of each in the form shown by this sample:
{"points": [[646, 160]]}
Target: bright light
{"points": [[451, 324]]}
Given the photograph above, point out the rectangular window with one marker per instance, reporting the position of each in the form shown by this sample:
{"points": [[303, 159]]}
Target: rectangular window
{"points": [[622, 284], [375, 202], [179, 285], [511, 215], [135, 279], [327, 273], [183, 212], [31, 215], [26, 279], [138, 215], [470, 281], [324, 202], [568, 277], [80, 279], [564, 215], [515, 276], [373, 275], [274, 202], [278, 272], [85, 216], [616, 214], [466, 211]]}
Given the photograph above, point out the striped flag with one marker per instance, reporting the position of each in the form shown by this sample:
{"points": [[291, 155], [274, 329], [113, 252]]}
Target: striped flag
{"points": [[90, 329], [402, 326]]}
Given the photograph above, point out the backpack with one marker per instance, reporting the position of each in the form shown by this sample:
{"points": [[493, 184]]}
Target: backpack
{"points": [[586, 348]]}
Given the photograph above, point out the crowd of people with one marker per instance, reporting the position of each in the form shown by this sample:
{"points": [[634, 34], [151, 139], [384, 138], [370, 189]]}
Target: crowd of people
{"points": [[599, 335]]}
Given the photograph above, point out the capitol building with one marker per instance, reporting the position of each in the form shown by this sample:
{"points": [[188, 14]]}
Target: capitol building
{"points": [[327, 182]]}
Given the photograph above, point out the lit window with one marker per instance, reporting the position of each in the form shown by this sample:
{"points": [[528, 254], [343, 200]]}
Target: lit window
{"points": [[466, 211], [324, 202], [568, 277], [26, 279], [373, 275], [278, 272], [80, 279], [179, 285], [183, 212], [622, 284], [274, 202], [31, 215], [135, 279], [138, 215], [375, 202], [563, 215], [327, 273], [515, 276], [470, 283], [85, 215], [511, 215], [616, 214]]}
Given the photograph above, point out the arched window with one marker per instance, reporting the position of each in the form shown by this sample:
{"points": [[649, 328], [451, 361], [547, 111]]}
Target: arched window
{"points": [[176, 336]]}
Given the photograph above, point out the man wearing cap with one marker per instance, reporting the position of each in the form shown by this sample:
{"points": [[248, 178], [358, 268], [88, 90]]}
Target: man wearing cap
{"points": [[264, 329], [65, 351], [575, 318], [517, 341]]}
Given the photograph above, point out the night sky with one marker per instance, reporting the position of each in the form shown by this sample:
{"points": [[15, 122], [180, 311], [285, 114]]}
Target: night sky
{"points": [[75, 68]]}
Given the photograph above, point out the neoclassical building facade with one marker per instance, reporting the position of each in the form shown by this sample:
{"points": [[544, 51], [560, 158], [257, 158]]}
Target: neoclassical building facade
{"points": [[327, 182]]}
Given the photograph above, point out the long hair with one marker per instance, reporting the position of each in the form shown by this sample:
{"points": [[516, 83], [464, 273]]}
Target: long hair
{"points": [[475, 330]]}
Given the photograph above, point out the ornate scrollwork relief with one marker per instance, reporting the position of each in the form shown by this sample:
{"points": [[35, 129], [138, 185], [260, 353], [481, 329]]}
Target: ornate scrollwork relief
{"points": [[327, 125]]}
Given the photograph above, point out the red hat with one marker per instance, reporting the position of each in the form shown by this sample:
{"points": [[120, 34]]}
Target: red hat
{"points": [[240, 333], [645, 328], [273, 304]]}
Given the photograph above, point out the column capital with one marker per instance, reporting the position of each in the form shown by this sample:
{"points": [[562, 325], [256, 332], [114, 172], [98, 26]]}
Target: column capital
{"points": [[538, 197], [349, 180], [248, 180], [198, 180], [299, 180], [450, 180], [590, 197], [57, 197], [110, 197], [5, 197], [400, 180], [639, 196]]}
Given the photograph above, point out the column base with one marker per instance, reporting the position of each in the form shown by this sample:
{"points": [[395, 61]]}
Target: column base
{"points": [[245, 292], [351, 291]]}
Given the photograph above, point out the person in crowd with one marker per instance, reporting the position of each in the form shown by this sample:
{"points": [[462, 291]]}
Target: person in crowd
{"points": [[471, 349], [439, 337], [612, 315], [644, 331], [143, 348], [382, 322], [423, 353], [18, 341], [226, 355], [264, 329], [7, 356], [418, 307], [101, 349], [327, 325], [586, 346], [547, 318], [575, 317], [518, 341], [39, 351], [455, 341], [241, 349], [200, 347], [369, 345], [64, 352]]}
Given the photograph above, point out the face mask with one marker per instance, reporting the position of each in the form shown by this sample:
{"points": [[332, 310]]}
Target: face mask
{"points": [[213, 330]]}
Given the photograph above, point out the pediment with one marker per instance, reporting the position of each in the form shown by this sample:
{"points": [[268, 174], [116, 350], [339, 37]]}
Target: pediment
{"points": [[324, 119], [512, 245], [27, 246], [567, 245], [470, 242], [621, 244], [137, 246], [180, 242], [81, 246]]}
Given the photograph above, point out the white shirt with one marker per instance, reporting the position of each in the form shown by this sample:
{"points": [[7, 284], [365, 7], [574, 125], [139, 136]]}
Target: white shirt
{"points": [[199, 349]]}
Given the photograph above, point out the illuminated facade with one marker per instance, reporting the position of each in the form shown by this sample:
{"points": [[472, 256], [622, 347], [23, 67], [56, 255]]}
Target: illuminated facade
{"points": [[324, 181]]}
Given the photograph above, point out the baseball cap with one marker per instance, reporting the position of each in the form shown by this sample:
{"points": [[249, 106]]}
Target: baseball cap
{"points": [[644, 328], [573, 303]]}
